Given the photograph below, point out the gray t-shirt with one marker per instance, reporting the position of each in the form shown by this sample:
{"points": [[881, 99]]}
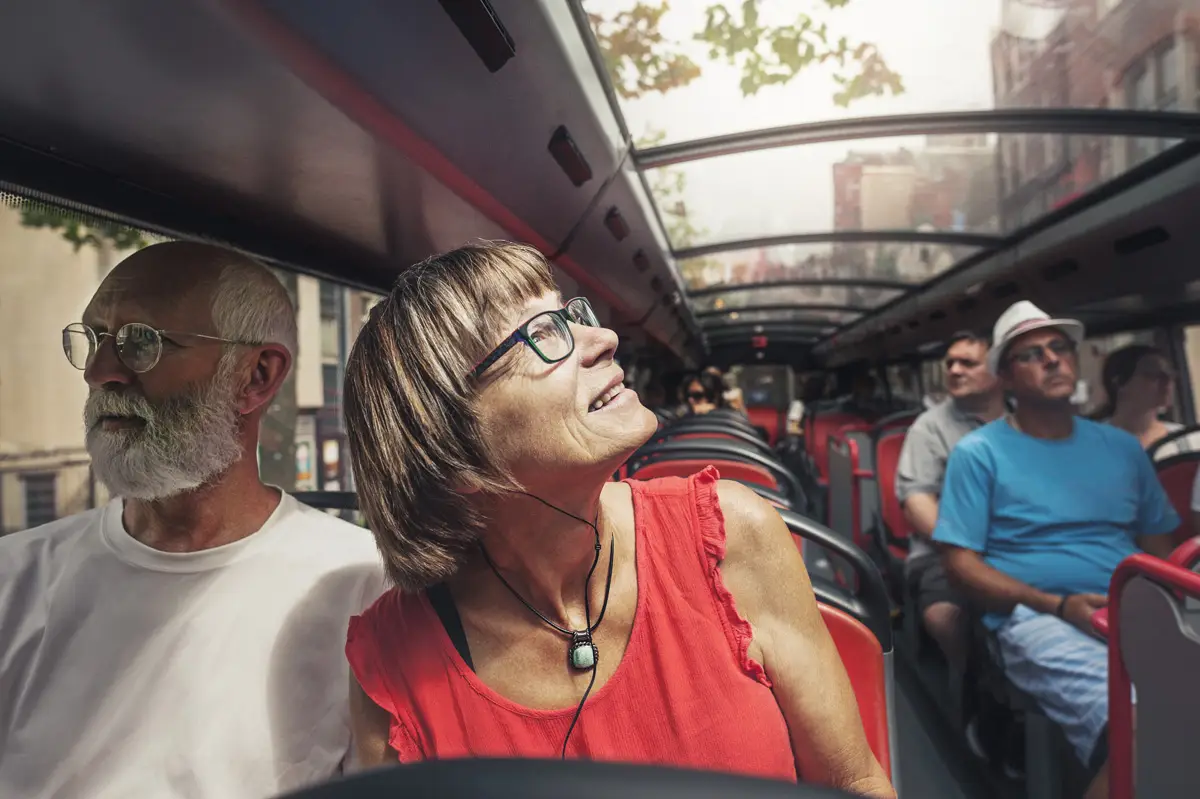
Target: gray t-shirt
{"points": [[927, 446]]}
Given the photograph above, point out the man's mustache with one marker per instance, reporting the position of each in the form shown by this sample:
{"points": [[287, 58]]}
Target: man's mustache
{"points": [[102, 403]]}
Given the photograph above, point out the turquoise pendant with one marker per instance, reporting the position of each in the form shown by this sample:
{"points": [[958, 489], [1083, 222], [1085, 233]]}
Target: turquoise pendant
{"points": [[582, 654]]}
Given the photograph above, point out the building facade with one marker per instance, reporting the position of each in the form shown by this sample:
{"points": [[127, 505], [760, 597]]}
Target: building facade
{"points": [[1136, 54]]}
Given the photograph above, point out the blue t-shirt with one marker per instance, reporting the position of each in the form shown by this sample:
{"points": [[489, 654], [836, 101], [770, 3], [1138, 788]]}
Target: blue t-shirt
{"points": [[1056, 515]]}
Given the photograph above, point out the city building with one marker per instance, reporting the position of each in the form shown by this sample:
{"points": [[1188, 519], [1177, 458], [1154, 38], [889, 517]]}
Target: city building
{"points": [[1140, 54]]}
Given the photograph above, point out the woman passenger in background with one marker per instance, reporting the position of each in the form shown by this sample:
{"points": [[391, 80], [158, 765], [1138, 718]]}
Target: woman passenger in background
{"points": [[1139, 385], [703, 393], [540, 609]]}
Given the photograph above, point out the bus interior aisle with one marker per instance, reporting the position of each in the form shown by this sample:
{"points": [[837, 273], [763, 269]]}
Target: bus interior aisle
{"points": [[794, 217]]}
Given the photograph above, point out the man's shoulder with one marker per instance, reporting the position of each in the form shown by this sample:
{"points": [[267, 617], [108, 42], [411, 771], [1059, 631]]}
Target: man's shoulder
{"points": [[980, 442], [319, 527], [1109, 435], [39, 546], [929, 420]]}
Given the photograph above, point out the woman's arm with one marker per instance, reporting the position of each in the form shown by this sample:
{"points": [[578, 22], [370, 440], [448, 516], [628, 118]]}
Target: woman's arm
{"points": [[370, 726], [766, 575]]}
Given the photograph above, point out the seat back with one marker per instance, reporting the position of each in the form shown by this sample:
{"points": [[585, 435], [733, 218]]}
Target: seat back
{"points": [[896, 421], [1154, 646], [824, 425], [1181, 441], [683, 432], [767, 417], [864, 476], [894, 526], [686, 467], [726, 450], [843, 506], [1177, 474], [864, 661]]}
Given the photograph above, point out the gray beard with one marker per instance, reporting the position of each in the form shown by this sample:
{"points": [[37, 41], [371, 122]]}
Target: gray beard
{"points": [[186, 440]]}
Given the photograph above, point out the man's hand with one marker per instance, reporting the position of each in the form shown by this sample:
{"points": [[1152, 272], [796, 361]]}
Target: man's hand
{"points": [[1079, 609]]}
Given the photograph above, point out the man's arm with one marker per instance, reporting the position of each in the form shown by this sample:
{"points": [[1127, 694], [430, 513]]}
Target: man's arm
{"points": [[921, 511], [919, 475], [993, 590]]}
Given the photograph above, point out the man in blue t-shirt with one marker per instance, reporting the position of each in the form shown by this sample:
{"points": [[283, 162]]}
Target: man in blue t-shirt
{"points": [[1037, 510]]}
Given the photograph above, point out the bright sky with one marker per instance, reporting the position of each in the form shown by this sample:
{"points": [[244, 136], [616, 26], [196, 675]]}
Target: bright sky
{"points": [[940, 48]]}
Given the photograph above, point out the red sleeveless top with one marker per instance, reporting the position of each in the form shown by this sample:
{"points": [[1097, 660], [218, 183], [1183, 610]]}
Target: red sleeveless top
{"points": [[686, 692]]}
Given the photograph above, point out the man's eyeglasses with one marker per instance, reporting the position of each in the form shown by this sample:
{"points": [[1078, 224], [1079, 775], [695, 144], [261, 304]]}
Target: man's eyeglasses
{"points": [[1037, 352], [139, 346], [548, 334]]}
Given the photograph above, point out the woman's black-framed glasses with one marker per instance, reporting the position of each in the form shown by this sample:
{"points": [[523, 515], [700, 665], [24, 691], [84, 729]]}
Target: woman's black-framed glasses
{"points": [[548, 334], [139, 346]]}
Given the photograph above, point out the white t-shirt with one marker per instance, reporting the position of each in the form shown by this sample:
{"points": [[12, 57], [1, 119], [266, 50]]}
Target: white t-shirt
{"points": [[128, 672]]}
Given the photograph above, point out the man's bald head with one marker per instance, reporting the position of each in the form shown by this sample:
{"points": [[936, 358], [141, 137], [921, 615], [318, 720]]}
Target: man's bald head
{"points": [[225, 291]]}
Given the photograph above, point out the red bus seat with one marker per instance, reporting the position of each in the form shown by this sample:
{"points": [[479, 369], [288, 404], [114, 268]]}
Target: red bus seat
{"points": [[685, 436], [730, 470], [1177, 474], [1185, 556], [768, 418], [863, 658], [887, 462], [824, 425]]}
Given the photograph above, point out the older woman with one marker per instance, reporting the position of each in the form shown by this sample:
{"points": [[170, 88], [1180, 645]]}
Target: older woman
{"points": [[1139, 385], [485, 416]]}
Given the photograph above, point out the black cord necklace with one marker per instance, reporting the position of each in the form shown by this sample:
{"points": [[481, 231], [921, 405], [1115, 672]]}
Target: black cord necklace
{"points": [[582, 653]]}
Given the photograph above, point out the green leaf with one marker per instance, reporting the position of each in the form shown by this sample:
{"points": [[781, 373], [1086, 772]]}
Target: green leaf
{"points": [[639, 60]]}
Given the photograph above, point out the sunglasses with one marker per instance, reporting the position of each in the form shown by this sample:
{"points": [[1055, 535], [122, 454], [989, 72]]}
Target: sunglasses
{"points": [[139, 346], [548, 334], [696, 395], [1038, 352]]}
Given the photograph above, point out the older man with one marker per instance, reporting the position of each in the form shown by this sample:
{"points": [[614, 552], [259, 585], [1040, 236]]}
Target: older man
{"points": [[1037, 510], [975, 399], [186, 639]]}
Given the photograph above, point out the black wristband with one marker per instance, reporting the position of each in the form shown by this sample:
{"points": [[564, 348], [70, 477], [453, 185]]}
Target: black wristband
{"points": [[1062, 606]]}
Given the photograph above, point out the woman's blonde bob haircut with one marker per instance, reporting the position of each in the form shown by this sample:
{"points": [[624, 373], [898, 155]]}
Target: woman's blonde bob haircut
{"points": [[414, 433]]}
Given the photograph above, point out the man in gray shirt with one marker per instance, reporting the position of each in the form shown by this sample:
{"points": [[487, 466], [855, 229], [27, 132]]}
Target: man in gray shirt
{"points": [[975, 399]]}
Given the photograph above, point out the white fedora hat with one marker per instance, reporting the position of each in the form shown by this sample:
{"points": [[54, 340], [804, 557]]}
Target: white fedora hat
{"points": [[1021, 318]]}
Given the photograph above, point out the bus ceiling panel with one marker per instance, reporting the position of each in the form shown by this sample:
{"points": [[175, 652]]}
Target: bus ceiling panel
{"points": [[795, 355], [956, 186], [1136, 238], [167, 115], [170, 98], [501, 142], [717, 74], [499, 128]]}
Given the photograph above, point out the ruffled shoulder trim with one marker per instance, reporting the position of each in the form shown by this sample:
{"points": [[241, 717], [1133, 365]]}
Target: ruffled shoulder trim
{"points": [[366, 652], [712, 541]]}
